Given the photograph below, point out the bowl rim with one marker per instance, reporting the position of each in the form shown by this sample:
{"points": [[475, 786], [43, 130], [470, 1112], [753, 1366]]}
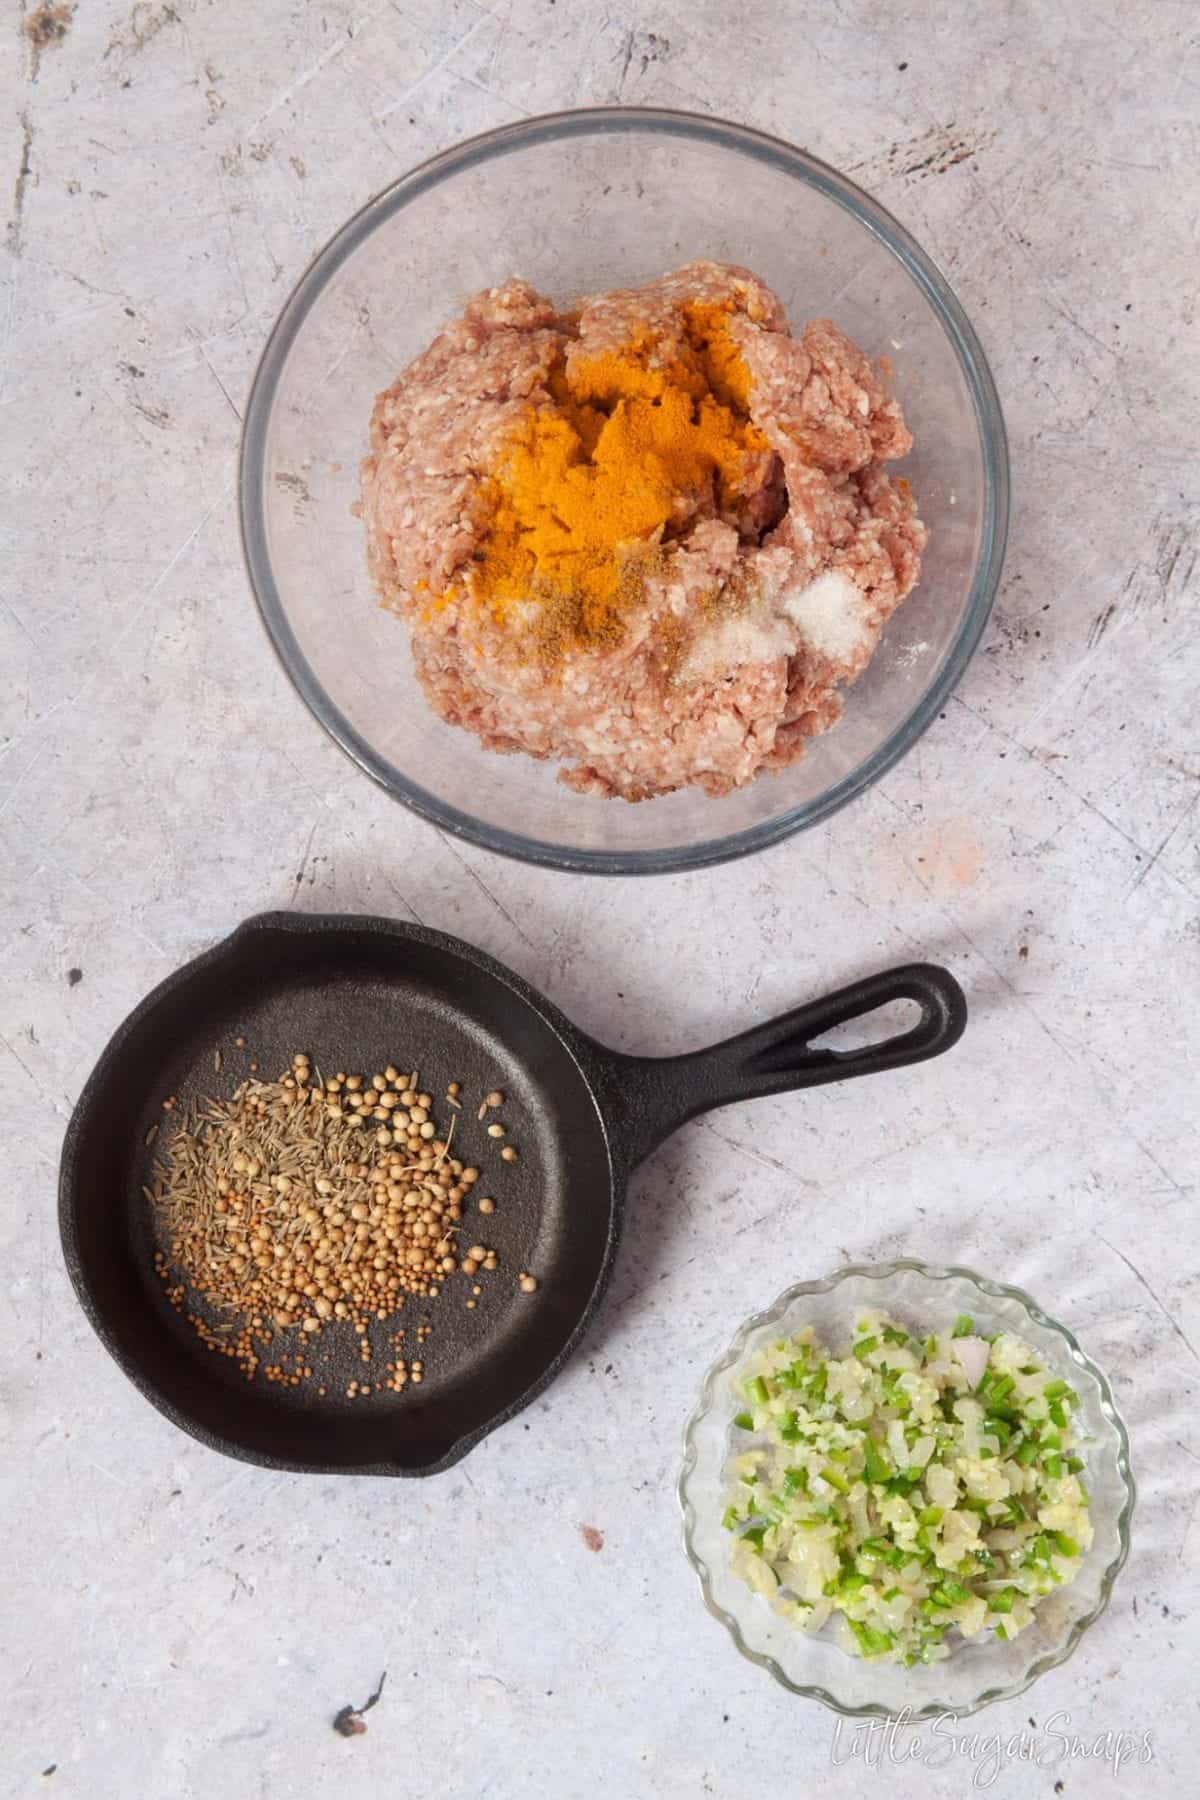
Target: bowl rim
{"points": [[883, 1272], [523, 134]]}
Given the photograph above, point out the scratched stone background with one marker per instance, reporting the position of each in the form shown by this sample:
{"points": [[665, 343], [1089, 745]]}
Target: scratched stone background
{"points": [[176, 1625]]}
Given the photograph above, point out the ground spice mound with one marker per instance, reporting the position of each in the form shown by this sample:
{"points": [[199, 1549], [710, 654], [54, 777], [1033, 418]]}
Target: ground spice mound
{"points": [[638, 439], [650, 537]]}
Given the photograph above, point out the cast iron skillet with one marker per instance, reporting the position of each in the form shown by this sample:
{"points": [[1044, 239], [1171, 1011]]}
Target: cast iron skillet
{"points": [[358, 993]]}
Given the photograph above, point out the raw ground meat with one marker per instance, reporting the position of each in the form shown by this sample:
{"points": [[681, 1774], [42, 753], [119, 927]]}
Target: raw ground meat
{"points": [[744, 627]]}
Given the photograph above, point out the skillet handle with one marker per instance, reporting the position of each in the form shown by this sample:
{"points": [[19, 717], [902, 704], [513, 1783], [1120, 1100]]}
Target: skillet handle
{"points": [[649, 1097]]}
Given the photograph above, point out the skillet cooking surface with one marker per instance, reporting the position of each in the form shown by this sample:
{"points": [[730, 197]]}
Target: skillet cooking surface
{"points": [[355, 1000]]}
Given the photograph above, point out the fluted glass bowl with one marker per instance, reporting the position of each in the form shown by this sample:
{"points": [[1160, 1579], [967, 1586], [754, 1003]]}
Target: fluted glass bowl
{"points": [[927, 1298], [577, 202]]}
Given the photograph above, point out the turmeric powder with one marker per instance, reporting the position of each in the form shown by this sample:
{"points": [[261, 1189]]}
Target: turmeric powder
{"points": [[637, 440]]}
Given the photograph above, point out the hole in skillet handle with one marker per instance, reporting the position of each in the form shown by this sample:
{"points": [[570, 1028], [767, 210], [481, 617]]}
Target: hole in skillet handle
{"points": [[880, 1026]]}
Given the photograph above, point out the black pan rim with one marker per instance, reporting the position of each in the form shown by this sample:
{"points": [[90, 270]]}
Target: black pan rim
{"points": [[578, 1046]]}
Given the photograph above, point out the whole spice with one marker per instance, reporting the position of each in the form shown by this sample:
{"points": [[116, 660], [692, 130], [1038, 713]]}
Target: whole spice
{"points": [[279, 1211], [281, 1216]]}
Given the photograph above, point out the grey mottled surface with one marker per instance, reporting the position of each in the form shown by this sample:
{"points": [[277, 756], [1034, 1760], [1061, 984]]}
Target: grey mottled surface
{"points": [[176, 1625]]}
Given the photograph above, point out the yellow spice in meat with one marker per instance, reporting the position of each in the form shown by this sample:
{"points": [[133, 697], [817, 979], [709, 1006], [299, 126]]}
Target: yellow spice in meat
{"points": [[634, 439]]}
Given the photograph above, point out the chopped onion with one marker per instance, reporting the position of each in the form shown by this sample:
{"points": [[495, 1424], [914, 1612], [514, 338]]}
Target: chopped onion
{"points": [[913, 1505], [972, 1354]]}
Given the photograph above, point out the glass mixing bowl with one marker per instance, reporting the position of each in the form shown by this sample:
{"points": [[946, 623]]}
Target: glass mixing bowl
{"points": [[925, 1297], [578, 202]]}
